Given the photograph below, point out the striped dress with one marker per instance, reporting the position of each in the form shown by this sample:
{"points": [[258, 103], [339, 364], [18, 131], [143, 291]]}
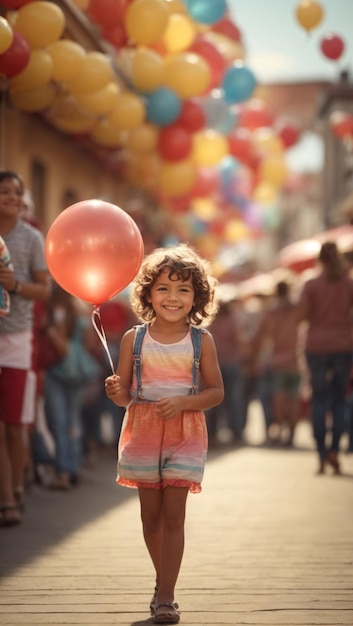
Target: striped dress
{"points": [[153, 451]]}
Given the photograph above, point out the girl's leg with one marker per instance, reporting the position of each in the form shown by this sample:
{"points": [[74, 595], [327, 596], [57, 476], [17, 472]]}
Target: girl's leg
{"points": [[173, 519], [151, 517], [163, 517]]}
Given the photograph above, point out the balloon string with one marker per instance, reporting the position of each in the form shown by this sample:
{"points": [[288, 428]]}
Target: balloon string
{"points": [[101, 334]]}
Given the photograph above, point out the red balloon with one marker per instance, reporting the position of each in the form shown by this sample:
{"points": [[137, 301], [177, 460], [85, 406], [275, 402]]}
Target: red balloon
{"points": [[240, 144], [289, 134], [255, 114], [192, 116], [207, 182], [107, 12], [213, 58], [116, 35], [16, 57], [14, 4], [174, 143], [341, 124], [332, 46], [94, 250], [226, 27]]}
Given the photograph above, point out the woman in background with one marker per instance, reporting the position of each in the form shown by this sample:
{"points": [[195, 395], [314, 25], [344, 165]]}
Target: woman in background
{"points": [[326, 303]]}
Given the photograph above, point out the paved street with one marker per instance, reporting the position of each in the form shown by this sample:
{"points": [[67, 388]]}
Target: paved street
{"points": [[267, 543]]}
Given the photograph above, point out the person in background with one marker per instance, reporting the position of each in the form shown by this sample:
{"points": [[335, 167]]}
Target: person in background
{"points": [[326, 304], [279, 326], [163, 443], [225, 332], [28, 281], [66, 321]]}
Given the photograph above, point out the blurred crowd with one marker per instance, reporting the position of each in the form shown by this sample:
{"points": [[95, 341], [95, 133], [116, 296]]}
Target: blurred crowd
{"points": [[290, 350]]}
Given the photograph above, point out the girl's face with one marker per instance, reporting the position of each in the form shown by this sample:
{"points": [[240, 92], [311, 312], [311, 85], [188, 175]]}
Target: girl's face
{"points": [[172, 299], [10, 197]]}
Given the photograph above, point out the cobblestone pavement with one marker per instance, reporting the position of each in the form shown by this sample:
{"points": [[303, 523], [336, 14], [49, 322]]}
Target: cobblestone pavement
{"points": [[268, 542]]}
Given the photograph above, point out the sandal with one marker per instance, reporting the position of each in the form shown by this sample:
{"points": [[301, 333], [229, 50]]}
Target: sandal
{"points": [[10, 515], [153, 602], [169, 616]]}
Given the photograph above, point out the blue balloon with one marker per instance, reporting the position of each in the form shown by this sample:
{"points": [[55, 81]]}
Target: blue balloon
{"points": [[227, 169], [238, 83], [206, 11], [163, 106]]}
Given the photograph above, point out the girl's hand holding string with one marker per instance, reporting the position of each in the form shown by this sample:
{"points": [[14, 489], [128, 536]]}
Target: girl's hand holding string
{"points": [[115, 391]]}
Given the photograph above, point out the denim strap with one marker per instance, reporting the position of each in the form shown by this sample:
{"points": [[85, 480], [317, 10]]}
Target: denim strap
{"points": [[196, 334], [136, 355]]}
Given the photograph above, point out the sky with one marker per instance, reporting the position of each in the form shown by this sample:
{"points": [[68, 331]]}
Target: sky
{"points": [[279, 49]]}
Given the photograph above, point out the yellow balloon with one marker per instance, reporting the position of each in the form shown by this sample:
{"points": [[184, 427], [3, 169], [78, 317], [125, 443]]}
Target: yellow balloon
{"points": [[176, 179], [31, 100], [146, 20], [209, 148], [180, 33], [78, 124], [143, 138], [142, 170], [96, 71], [41, 23], [128, 112], [6, 35], [205, 209], [147, 69], [176, 6], [106, 135], [38, 71], [274, 170], [266, 142], [99, 102], [309, 14], [68, 57], [236, 230], [187, 74], [265, 193]]}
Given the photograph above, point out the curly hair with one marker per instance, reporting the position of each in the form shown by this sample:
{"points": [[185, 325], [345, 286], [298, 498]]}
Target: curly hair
{"points": [[182, 262]]}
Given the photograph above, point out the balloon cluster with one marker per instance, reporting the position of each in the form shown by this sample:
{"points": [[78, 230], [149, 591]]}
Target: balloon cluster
{"points": [[172, 94]]}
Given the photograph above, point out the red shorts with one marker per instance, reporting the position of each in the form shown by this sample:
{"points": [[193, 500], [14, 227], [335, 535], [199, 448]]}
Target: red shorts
{"points": [[17, 395]]}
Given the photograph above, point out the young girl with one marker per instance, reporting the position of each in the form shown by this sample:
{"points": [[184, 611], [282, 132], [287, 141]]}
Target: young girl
{"points": [[163, 444]]}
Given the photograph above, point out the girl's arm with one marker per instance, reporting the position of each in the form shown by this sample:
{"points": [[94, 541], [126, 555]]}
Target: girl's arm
{"points": [[117, 386], [212, 389]]}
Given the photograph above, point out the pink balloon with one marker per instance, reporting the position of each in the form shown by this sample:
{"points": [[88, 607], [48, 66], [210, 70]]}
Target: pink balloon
{"points": [[332, 46], [94, 250]]}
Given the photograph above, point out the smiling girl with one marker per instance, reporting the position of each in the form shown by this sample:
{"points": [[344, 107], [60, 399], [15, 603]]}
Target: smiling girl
{"points": [[166, 386]]}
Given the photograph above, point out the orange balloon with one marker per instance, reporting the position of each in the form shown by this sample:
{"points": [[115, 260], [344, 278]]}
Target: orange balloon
{"points": [[94, 250], [309, 14]]}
